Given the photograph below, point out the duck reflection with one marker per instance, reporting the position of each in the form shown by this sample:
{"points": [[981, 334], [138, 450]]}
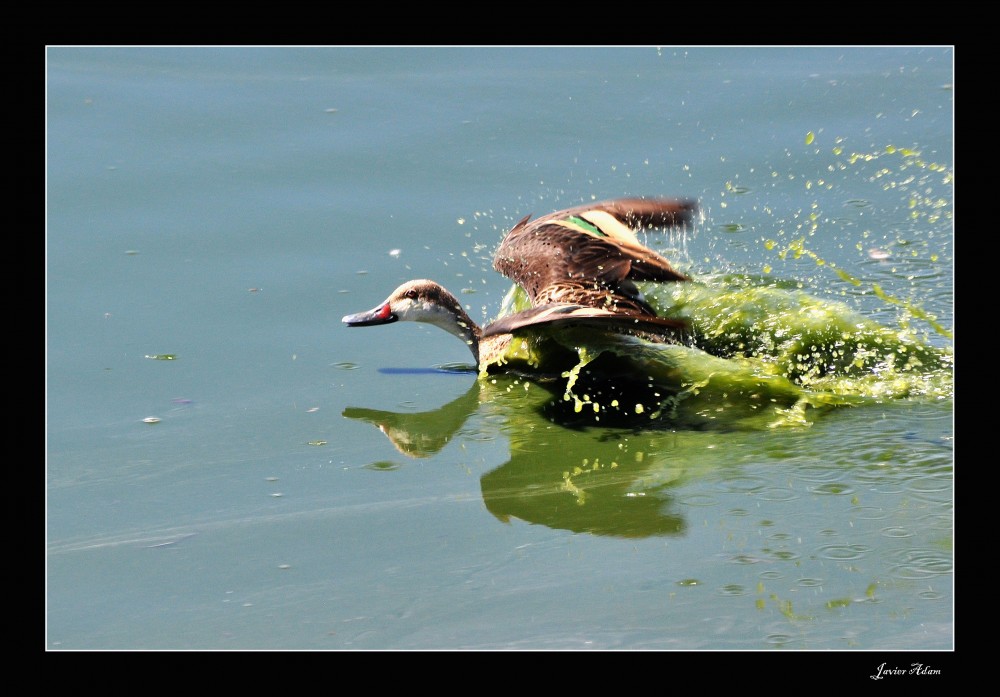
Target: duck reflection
{"points": [[420, 434], [604, 484]]}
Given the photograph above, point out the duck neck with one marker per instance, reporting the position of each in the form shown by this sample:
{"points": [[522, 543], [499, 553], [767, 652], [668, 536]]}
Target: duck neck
{"points": [[458, 322], [468, 331]]}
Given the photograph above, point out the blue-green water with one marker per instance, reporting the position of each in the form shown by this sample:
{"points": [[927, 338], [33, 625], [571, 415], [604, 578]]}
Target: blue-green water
{"points": [[225, 207]]}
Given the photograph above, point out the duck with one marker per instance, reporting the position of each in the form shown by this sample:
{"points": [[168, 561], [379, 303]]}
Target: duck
{"points": [[578, 268]]}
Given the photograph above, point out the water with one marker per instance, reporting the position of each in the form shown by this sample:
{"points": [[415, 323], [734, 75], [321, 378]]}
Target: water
{"points": [[225, 207]]}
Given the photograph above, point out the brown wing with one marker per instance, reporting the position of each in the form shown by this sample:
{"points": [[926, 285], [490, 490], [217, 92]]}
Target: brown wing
{"points": [[590, 246]]}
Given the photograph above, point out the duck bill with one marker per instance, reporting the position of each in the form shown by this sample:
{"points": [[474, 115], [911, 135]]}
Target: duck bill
{"points": [[379, 315]]}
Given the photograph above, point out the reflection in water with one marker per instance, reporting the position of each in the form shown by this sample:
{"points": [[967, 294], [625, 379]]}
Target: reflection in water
{"points": [[557, 477], [584, 483], [420, 434]]}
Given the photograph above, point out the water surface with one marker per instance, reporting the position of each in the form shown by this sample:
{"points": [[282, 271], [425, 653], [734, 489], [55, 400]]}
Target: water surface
{"points": [[228, 467]]}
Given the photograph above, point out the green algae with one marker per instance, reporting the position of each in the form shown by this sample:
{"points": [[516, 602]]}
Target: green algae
{"points": [[817, 343], [759, 355]]}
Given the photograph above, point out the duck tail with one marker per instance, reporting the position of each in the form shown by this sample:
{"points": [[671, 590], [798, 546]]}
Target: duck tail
{"points": [[651, 212]]}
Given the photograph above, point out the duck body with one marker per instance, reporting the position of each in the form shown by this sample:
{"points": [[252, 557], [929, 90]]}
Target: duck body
{"points": [[578, 268]]}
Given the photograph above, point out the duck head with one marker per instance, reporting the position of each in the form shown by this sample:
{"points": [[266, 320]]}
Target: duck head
{"points": [[422, 301]]}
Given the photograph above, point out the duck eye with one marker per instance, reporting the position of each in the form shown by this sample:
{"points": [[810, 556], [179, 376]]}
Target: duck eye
{"points": [[411, 294]]}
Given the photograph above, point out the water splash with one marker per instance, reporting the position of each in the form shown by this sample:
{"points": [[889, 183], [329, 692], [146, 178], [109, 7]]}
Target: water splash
{"points": [[759, 356]]}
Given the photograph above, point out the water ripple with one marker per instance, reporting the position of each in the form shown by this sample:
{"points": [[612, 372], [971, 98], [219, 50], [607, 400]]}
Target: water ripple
{"points": [[930, 595], [821, 474], [700, 500], [832, 488], [781, 554], [870, 513], [938, 521], [774, 493], [743, 485], [921, 563], [931, 485], [896, 531], [778, 639], [844, 552], [733, 589]]}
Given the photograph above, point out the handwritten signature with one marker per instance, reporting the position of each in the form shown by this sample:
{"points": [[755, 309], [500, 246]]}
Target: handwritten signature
{"points": [[914, 669]]}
